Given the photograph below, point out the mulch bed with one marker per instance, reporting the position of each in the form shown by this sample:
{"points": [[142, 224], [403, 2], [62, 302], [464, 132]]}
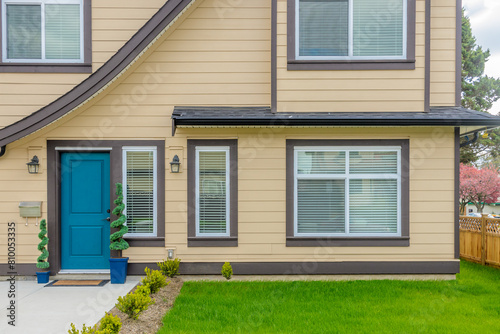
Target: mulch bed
{"points": [[150, 321]]}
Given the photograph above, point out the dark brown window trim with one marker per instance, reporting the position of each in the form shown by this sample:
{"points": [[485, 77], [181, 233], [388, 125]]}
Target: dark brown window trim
{"points": [[288, 268], [403, 241], [85, 67], [232, 240], [53, 189], [319, 65]]}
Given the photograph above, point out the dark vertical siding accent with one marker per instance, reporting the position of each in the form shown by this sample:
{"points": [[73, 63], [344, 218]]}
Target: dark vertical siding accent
{"points": [[458, 59], [457, 194], [427, 89], [274, 55]]}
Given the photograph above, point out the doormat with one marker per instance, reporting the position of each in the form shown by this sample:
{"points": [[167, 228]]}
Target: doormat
{"points": [[78, 283]]}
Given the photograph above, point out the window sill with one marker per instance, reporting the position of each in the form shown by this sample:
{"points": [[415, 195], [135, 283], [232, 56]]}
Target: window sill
{"points": [[350, 65], [45, 68], [348, 242], [145, 241], [213, 242]]}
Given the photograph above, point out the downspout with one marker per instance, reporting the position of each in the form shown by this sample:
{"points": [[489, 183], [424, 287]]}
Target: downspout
{"points": [[2, 150], [470, 141]]}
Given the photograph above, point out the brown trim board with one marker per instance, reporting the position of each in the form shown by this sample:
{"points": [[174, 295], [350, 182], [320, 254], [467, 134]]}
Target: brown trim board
{"points": [[53, 188], [291, 268], [232, 240], [457, 193], [98, 79], [312, 268], [318, 65], [403, 241], [458, 57], [85, 67], [427, 88], [274, 55]]}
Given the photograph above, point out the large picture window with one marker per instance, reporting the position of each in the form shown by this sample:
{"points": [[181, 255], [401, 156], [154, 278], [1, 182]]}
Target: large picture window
{"points": [[351, 29], [344, 192], [350, 192], [140, 190]]}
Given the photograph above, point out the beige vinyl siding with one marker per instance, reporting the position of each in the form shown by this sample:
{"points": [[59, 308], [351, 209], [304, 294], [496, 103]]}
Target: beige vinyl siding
{"points": [[375, 90], [443, 44], [191, 67], [262, 190], [114, 23]]}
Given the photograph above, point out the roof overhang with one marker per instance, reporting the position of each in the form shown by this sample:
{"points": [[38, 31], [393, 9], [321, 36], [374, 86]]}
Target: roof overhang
{"points": [[468, 120]]}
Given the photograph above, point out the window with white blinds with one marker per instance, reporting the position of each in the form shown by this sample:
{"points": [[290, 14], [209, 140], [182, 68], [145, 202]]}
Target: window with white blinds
{"points": [[140, 190], [351, 29], [347, 191], [45, 31], [212, 191]]}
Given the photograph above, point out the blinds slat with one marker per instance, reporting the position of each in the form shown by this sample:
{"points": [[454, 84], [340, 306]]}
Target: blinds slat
{"points": [[373, 162], [378, 27], [24, 31], [323, 28], [140, 191], [212, 192]]}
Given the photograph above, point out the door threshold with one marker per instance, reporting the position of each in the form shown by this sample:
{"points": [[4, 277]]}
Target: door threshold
{"points": [[82, 271]]}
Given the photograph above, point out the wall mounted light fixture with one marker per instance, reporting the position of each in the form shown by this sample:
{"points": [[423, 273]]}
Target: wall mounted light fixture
{"points": [[33, 165], [175, 164]]}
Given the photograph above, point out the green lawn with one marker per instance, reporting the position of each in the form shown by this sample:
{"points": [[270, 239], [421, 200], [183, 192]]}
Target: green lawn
{"points": [[471, 304]]}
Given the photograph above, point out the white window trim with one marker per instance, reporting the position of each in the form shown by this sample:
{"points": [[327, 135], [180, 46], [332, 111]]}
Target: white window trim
{"points": [[153, 149], [197, 189], [351, 38], [346, 176], [42, 3]]}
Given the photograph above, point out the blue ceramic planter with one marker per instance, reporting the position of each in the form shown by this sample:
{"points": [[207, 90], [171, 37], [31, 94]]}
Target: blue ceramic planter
{"points": [[118, 270], [42, 277]]}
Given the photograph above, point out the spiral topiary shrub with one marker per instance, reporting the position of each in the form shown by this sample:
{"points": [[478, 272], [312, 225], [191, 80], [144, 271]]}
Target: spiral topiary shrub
{"points": [[41, 261], [117, 241]]}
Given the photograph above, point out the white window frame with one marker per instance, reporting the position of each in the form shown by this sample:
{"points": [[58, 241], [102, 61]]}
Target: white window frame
{"points": [[226, 149], [153, 149], [42, 4], [346, 176], [350, 56]]}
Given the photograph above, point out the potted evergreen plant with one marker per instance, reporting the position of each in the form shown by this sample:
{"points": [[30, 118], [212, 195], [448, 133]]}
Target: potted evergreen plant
{"points": [[118, 265], [42, 262]]}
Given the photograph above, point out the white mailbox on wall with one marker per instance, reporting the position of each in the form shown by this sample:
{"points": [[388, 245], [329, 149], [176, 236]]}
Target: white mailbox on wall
{"points": [[30, 209]]}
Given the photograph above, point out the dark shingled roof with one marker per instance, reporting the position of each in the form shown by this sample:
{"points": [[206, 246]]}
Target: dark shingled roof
{"points": [[262, 116]]}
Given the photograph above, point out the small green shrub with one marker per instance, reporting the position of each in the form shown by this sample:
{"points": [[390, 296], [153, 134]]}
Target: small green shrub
{"points": [[133, 304], [110, 324], [143, 290], [85, 330], [227, 270], [154, 279], [169, 267]]}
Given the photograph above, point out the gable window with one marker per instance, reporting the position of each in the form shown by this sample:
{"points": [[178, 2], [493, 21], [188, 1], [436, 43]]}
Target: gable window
{"points": [[212, 183], [359, 31], [348, 192], [140, 190], [45, 32]]}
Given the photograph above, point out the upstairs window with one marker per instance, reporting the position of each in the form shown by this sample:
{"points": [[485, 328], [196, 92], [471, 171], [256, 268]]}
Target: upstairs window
{"points": [[44, 31], [351, 29]]}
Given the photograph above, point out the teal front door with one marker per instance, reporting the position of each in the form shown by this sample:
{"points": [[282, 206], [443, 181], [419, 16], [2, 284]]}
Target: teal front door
{"points": [[85, 201]]}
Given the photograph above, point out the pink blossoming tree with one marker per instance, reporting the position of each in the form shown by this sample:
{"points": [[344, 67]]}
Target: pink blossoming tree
{"points": [[479, 186]]}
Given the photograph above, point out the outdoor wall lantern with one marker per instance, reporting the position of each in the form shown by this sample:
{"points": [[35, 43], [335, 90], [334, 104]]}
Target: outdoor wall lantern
{"points": [[33, 165], [175, 164], [170, 254]]}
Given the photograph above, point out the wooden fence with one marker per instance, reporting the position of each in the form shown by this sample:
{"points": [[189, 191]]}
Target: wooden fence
{"points": [[480, 240]]}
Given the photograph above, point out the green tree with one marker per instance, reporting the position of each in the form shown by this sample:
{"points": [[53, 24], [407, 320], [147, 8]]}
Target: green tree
{"points": [[479, 92]]}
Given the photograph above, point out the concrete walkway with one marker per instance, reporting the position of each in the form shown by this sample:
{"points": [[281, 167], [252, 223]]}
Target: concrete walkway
{"points": [[51, 310]]}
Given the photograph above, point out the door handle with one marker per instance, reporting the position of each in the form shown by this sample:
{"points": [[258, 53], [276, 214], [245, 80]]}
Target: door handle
{"points": [[107, 219]]}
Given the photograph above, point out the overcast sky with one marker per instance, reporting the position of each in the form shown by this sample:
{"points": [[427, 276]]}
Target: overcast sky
{"points": [[485, 20]]}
